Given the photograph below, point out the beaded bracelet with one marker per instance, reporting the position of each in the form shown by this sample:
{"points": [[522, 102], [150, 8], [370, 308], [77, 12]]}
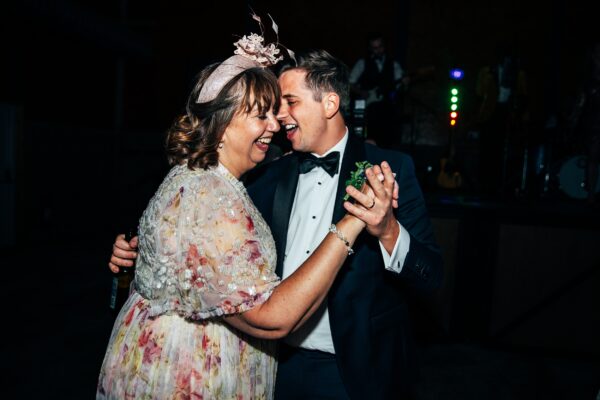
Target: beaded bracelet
{"points": [[333, 229]]}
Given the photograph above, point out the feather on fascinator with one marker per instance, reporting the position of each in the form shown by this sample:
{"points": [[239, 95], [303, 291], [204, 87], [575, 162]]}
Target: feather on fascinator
{"points": [[250, 52]]}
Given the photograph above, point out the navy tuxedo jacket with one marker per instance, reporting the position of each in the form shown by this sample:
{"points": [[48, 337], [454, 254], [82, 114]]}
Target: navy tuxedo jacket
{"points": [[367, 307]]}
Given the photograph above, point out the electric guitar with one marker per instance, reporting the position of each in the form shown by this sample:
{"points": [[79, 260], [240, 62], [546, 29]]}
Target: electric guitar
{"points": [[449, 176]]}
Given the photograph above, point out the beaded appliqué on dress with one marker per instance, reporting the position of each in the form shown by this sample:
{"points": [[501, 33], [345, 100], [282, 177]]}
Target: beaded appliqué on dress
{"points": [[205, 250]]}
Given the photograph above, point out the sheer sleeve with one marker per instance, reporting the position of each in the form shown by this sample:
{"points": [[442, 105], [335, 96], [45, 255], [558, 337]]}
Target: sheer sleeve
{"points": [[220, 264]]}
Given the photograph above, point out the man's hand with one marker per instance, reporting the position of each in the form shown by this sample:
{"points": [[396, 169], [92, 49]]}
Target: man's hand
{"points": [[123, 254], [376, 208]]}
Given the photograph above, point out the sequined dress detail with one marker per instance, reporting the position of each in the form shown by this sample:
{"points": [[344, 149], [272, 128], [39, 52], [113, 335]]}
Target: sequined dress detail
{"points": [[204, 252]]}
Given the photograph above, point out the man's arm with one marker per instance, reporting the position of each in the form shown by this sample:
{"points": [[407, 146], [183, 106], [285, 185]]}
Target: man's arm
{"points": [[124, 253], [398, 72], [421, 262], [357, 71]]}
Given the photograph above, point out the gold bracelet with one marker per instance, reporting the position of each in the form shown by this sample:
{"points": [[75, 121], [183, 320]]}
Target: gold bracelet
{"points": [[333, 229]]}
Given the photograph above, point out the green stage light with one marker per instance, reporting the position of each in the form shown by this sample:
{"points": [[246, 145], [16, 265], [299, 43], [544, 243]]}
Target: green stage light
{"points": [[453, 106]]}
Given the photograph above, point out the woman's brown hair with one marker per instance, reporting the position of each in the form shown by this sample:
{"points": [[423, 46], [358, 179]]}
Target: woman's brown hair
{"points": [[194, 137]]}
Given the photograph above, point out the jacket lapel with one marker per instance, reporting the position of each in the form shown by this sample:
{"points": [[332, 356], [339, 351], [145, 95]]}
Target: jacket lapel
{"points": [[282, 208], [355, 152]]}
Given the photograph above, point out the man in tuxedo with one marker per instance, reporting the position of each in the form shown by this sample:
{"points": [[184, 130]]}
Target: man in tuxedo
{"points": [[359, 344], [377, 78]]}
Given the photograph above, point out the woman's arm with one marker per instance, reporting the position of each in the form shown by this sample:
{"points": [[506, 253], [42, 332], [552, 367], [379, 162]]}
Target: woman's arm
{"points": [[297, 297]]}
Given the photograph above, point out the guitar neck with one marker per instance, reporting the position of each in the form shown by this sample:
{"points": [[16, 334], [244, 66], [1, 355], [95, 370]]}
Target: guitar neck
{"points": [[451, 147]]}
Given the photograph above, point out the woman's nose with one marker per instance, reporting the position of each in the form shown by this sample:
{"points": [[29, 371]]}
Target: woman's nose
{"points": [[273, 124]]}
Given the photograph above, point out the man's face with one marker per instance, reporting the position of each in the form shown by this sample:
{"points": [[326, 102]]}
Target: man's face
{"points": [[302, 117], [377, 48]]}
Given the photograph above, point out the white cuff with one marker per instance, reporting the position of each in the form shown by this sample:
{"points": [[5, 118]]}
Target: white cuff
{"points": [[395, 261]]}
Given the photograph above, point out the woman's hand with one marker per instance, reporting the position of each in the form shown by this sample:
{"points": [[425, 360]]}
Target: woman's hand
{"points": [[375, 206]]}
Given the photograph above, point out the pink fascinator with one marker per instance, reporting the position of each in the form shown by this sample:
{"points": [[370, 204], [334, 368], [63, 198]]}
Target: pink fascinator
{"points": [[250, 52]]}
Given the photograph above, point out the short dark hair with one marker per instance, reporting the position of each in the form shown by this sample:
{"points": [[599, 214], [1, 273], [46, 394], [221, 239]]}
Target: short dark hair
{"points": [[325, 73], [375, 35], [194, 136]]}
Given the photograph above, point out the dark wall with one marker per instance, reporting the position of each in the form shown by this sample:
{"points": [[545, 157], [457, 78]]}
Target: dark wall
{"points": [[523, 284], [97, 83], [549, 38]]}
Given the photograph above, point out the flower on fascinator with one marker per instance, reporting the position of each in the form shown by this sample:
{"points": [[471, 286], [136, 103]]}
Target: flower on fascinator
{"points": [[252, 47], [250, 52]]}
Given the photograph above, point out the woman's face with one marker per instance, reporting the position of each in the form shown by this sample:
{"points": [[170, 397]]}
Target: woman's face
{"points": [[246, 140]]}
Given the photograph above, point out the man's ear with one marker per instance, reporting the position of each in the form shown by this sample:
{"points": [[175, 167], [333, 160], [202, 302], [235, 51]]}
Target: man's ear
{"points": [[331, 102]]}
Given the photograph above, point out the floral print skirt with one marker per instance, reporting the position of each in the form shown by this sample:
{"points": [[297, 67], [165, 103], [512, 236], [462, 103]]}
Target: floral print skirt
{"points": [[169, 357]]}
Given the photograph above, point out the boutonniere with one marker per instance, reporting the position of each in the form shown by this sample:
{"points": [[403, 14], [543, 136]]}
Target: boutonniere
{"points": [[357, 177]]}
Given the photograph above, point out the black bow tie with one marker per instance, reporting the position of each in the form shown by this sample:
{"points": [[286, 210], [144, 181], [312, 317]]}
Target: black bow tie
{"points": [[329, 163]]}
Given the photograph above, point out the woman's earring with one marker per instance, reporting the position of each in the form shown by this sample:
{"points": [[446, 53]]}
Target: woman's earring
{"points": [[220, 145]]}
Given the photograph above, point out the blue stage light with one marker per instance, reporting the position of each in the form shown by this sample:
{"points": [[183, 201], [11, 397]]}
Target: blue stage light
{"points": [[457, 74]]}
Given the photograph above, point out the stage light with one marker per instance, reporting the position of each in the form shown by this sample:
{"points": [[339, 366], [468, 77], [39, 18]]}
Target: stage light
{"points": [[456, 74], [454, 105]]}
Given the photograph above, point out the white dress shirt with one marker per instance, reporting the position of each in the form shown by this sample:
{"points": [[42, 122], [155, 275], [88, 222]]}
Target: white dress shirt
{"points": [[311, 217]]}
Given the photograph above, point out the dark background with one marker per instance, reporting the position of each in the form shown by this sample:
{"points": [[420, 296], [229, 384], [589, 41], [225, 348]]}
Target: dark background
{"points": [[94, 85], [87, 90]]}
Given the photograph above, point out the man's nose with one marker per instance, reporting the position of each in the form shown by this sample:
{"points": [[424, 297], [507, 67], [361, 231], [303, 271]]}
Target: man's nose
{"points": [[282, 112]]}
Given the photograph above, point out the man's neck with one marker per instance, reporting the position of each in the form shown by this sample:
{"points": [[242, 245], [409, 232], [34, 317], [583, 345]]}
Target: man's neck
{"points": [[339, 145], [335, 132]]}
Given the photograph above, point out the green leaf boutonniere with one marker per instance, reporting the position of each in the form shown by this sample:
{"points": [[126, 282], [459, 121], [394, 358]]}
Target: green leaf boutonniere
{"points": [[357, 177]]}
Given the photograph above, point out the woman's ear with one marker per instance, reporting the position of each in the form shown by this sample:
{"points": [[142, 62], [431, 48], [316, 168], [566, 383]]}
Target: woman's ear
{"points": [[331, 103]]}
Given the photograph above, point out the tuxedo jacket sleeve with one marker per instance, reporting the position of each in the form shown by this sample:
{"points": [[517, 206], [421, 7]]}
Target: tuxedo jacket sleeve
{"points": [[422, 268]]}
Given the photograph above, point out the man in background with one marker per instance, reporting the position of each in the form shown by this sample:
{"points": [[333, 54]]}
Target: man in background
{"points": [[377, 78]]}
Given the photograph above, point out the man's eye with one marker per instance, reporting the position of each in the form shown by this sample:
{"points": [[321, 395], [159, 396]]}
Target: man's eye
{"points": [[291, 103], [263, 116]]}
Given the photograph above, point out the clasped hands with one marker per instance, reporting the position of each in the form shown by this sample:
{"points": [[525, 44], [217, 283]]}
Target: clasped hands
{"points": [[375, 202]]}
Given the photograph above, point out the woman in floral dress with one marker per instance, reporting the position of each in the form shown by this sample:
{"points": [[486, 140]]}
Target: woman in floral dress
{"points": [[206, 299]]}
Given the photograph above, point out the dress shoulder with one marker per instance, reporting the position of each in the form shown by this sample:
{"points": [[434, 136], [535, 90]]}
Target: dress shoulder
{"points": [[204, 249]]}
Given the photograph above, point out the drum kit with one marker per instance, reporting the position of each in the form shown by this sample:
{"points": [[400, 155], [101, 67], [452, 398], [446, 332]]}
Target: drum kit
{"points": [[571, 177], [567, 176]]}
